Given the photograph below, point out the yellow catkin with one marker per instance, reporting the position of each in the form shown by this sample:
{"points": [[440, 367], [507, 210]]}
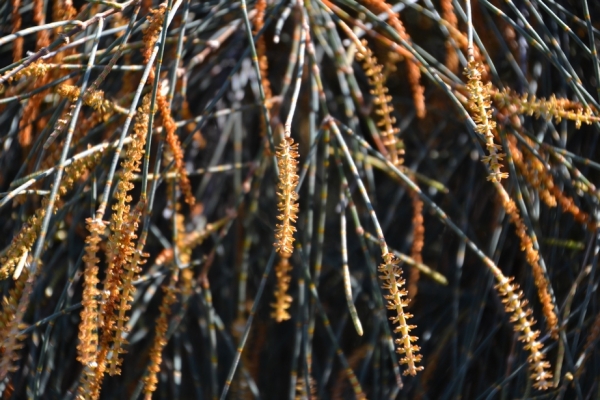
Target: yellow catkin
{"points": [[383, 105], [35, 70], [480, 106], [92, 98], [533, 257], [523, 323], [287, 161], [24, 240], [548, 109], [397, 301], [283, 300], [413, 71]]}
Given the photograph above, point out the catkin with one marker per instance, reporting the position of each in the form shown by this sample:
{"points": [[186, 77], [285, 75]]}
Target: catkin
{"points": [[451, 53], [12, 339], [160, 340], [287, 161], [24, 240], [88, 327], [523, 322], [533, 258], [383, 104], [16, 20], [480, 106], [283, 300], [418, 242], [414, 73], [553, 107], [397, 301], [121, 248]]}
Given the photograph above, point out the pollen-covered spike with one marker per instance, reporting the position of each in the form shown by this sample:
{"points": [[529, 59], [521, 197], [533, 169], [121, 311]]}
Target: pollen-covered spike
{"points": [[287, 161], [393, 283]]}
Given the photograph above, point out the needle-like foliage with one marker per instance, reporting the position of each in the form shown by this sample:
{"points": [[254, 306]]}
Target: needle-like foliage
{"points": [[284, 199]]}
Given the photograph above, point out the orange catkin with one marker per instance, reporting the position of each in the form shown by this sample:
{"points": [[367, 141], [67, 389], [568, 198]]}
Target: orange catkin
{"points": [[449, 15], [16, 18]]}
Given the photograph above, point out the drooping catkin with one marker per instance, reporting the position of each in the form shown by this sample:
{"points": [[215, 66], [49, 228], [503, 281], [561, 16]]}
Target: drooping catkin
{"points": [[449, 15], [39, 18], [175, 146], [413, 71], [287, 161], [160, 333], [523, 322], [383, 104], [9, 325], [119, 252], [261, 47], [155, 23], [151, 34], [263, 61], [283, 300], [397, 301], [121, 244], [480, 106], [33, 107], [24, 240], [131, 270], [9, 303], [88, 327], [12, 338], [31, 111], [533, 258]]}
